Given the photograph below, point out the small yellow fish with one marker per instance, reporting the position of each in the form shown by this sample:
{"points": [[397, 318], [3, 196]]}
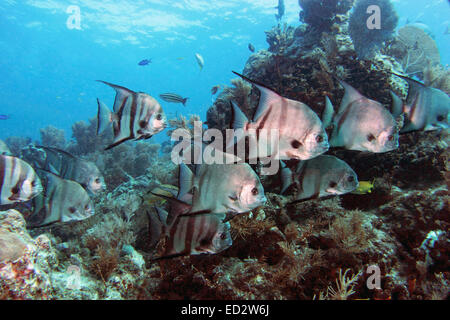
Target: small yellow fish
{"points": [[364, 187], [153, 200]]}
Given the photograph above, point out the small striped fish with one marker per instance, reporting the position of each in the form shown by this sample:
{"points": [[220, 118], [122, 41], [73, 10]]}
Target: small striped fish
{"points": [[136, 115], [361, 124], [63, 201], [426, 108], [69, 167], [18, 181], [193, 235], [174, 98], [320, 177], [301, 134]]}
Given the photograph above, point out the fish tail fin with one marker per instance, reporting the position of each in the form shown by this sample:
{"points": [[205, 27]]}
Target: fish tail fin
{"points": [[184, 101], [286, 177], [104, 117]]}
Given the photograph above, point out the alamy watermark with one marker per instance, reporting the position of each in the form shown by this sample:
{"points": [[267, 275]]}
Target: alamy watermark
{"points": [[74, 19], [374, 20]]}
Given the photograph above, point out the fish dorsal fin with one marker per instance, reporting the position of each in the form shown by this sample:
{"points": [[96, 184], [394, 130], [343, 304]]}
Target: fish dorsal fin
{"points": [[268, 96], [286, 177], [57, 151], [181, 207], [239, 119], [121, 93], [185, 180], [397, 105], [162, 215], [328, 112], [415, 87], [350, 95]]}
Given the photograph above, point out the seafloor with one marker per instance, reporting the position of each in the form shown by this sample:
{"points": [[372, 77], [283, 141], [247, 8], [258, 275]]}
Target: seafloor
{"points": [[319, 249]]}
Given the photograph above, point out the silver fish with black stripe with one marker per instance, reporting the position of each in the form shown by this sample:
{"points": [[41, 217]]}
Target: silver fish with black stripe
{"points": [[361, 123], [301, 134], [136, 115], [222, 188], [174, 98], [69, 167], [191, 235], [426, 108], [63, 201], [322, 176], [18, 181]]}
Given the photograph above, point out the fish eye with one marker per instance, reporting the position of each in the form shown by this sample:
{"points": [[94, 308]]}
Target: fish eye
{"points": [[391, 137], [97, 180], [350, 179], [255, 191], [87, 207], [15, 190], [440, 118], [333, 184], [319, 139], [223, 236], [33, 183], [370, 137], [158, 116], [72, 210], [142, 124], [296, 144]]}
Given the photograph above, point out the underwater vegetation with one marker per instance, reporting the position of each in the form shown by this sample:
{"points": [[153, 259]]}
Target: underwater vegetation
{"points": [[365, 39], [159, 230]]}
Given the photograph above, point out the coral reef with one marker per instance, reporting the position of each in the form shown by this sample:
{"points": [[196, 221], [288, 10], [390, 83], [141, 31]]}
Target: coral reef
{"points": [[16, 144], [415, 49], [317, 249], [367, 40], [53, 137], [322, 14]]}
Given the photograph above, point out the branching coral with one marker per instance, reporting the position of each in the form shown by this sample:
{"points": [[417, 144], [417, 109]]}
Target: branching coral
{"points": [[344, 287], [280, 38], [219, 115], [366, 41], [415, 49], [181, 122], [321, 14], [349, 234], [437, 77]]}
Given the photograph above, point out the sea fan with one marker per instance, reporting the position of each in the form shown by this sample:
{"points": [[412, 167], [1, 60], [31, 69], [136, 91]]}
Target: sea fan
{"points": [[366, 40]]}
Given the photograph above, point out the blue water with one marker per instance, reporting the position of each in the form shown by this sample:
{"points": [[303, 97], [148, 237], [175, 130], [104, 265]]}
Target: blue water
{"points": [[49, 71]]}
